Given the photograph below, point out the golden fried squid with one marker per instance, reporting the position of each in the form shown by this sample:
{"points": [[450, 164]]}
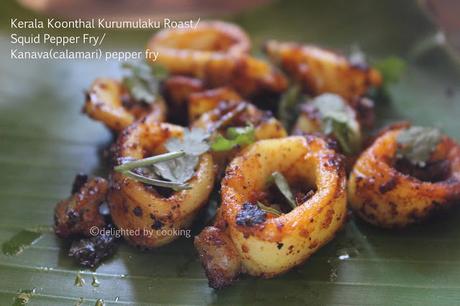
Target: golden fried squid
{"points": [[177, 90], [109, 102], [217, 53], [388, 191], [207, 100], [321, 71], [153, 211], [246, 238], [76, 215]]}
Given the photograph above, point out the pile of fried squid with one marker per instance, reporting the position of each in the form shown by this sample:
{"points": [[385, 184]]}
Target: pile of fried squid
{"points": [[286, 189]]}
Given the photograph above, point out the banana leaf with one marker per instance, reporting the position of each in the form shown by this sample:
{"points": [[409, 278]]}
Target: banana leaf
{"points": [[45, 141]]}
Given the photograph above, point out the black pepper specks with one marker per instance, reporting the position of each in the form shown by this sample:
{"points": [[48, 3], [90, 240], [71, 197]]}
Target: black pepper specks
{"points": [[250, 215], [137, 211]]}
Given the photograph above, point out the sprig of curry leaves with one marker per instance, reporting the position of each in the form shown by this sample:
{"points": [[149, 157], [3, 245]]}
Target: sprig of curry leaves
{"points": [[176, 167], [143, 80], [416, 144]]}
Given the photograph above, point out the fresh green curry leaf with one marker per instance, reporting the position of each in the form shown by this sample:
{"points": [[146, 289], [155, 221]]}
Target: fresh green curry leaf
{"points": [[417, 143], [287, 106], [391, 69], [338, 120], [142, 80], [236, 136], [283, 186]]}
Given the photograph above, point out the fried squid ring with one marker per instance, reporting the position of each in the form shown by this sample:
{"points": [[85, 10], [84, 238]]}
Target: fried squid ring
{"points": [[322, 71], [216, 52], [248, 239], [382, 195], [150, 214], [108, 101]]}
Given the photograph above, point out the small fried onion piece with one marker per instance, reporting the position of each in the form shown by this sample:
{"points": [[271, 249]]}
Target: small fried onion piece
{"points": [[109, 102], [76, 215], [151, 213], [217, 53], [268, 245], [384, 196], [320, 70]]}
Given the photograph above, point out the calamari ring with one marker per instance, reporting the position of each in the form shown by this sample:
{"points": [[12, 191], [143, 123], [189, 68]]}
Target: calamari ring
{"points": [[382, 195], [108, 101], [216, 52], [209, 37], [321, 71], [268, 245], [136, 206]]}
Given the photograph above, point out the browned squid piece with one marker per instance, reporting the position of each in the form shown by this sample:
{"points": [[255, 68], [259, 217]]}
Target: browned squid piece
{"points": [[323, 71], [76, 215], [217, 53], [109, 102], [258, 239], [389, 190], [177, 89], [150, 216]]}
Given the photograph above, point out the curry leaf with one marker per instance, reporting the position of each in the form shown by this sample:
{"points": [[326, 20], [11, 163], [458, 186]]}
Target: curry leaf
{"points": [[178, 170], [338, 120], [283, 186], [173, 169], [236, 136], [391, 69], [194, 142], [142, 81], [417, 143], [287, 107]]}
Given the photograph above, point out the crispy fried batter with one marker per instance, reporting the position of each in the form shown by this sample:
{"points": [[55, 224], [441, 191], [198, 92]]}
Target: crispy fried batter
{"points": [[267, 244], [321, 71], [109, 102], [77, 214], [381, 194], [147, 209], [216, 52]]}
